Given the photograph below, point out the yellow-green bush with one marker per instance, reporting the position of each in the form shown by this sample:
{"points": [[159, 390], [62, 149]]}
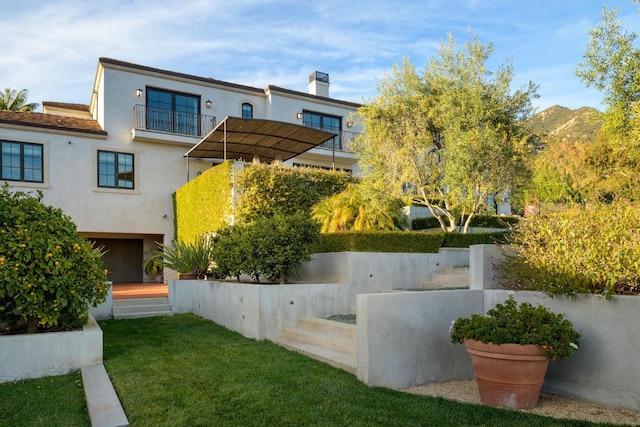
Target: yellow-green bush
{"points": [[204, 204], [593, 249]]}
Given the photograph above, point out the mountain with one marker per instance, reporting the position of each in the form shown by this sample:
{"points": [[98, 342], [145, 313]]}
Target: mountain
{"points": [[564, 124]]}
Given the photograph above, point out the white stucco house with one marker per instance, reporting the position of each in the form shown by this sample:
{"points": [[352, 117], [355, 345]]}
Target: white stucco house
{"points": [[112, 165]]}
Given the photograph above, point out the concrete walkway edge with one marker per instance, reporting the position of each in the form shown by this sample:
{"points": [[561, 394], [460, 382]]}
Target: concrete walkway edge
{"points": [[103, 404]]}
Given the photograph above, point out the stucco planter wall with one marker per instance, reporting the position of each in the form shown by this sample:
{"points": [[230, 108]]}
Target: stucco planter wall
{"points": [[47, 354], [257, 311], [368, 272]]}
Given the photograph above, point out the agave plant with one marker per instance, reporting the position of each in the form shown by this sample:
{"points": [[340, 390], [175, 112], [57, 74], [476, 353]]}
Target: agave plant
{"points": [[186, 258]]}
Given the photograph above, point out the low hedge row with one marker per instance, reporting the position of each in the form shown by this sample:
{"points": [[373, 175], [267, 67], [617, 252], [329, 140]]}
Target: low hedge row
{"points": [[380, 241], [464, 240], [401, 241], [486, 221]]}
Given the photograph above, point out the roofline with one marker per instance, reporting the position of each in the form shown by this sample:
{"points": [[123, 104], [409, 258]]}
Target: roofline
{"points": [[46, 126], [209, 80], [315, 97]]}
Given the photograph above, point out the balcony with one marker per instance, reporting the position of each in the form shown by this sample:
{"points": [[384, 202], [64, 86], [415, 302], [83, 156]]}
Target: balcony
{"points": [[341, 142], [171, 121]]}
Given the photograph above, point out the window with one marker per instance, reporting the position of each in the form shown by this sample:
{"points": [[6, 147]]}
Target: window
{"points": [[115, 170], [327, 124], [173, 112], [247, 111], [21, 161]]}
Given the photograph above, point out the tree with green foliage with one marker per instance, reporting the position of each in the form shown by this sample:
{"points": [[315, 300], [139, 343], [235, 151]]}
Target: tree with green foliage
{"points": [[359, 207], [16, 101], [612, 66], [49, 274], [271, 247], [451, 136]]}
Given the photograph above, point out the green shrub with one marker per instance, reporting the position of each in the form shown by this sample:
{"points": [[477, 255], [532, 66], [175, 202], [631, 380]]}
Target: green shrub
{"points": [[484, 221], [525, 324], [186, 258], [271, 189], [270, 247], [49, 274], [380, 241], [593, 249], [425, 223], [493, 221], [359, 207], [464, 240]]}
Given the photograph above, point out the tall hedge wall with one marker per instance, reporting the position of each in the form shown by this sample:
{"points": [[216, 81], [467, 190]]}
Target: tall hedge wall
{"points": [[270, 189], [204, 204], [380, 241]]}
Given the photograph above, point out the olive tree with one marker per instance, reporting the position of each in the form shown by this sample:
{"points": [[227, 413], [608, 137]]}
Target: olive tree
{"points": [[450, 136]]}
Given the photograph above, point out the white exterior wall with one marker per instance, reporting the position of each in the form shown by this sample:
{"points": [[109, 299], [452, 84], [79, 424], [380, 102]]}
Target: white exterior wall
{"points": [[146, 212]]}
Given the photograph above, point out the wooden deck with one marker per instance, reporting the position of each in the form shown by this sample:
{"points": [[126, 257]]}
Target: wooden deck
{"points": [[139, 290]]}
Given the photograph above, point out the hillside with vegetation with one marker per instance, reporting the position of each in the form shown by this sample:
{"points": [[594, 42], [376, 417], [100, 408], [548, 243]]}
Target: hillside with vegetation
{"points": [[561, 124]]}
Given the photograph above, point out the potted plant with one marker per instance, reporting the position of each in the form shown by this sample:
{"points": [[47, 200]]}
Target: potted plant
{"points": [[189, 260], [152, 265], [510, 349]]}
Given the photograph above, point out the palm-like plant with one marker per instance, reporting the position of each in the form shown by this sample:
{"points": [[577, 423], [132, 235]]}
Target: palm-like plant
{"points": [[16, 101]]}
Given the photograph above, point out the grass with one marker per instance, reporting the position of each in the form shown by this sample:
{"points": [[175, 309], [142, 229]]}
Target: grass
{"points": [[186, 371], [51, 402]]}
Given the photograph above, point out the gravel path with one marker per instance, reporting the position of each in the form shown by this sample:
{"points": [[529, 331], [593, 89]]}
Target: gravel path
{"points": [[548, 404]]}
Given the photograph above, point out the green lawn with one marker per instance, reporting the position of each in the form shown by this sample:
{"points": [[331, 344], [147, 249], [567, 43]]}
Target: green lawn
{"points": [[187, 371], [47, 402]]}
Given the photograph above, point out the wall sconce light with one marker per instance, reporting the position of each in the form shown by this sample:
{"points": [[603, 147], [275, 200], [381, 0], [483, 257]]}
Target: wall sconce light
{"points": [[349, 123], [138, 92], [299, 115], [208, 103]]}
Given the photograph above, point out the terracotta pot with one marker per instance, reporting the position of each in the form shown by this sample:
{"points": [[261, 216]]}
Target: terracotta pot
{"points": [[508, 375]]}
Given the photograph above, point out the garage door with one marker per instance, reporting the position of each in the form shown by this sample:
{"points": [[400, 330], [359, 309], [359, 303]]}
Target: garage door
{"points": [[123, 259]]}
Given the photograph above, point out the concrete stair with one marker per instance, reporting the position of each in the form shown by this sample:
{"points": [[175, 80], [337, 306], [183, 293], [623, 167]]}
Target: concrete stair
{"points": [[324, 340], [448, 278], [143, 307]]}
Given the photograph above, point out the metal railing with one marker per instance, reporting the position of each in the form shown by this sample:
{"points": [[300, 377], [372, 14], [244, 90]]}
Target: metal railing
{"points": [[340, 142], [171, 121]]}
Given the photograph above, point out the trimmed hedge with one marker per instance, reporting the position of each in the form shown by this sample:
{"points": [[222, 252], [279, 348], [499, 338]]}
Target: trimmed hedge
{"points": [[485, 221], [464, 240], [380, 241]]}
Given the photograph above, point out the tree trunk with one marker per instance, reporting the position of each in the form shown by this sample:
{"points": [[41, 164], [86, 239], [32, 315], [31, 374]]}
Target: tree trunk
{"points": [[32, 324]]}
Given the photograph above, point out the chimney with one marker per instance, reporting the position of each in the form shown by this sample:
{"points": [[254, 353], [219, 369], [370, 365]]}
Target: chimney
{"points": [[319, 84]]}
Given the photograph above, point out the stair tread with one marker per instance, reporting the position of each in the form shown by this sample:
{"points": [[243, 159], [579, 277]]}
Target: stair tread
{"points": [[329, 326], [333, 357]]}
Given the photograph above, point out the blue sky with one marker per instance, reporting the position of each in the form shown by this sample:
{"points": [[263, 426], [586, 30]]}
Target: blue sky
{"points": [[52, 47]]}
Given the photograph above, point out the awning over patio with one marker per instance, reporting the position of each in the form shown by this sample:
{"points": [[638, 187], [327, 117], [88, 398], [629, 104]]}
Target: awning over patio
{"points": [[267, 140]]}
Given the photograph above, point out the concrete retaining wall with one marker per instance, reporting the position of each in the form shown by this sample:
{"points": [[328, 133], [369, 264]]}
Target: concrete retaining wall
{"points": [[257, 311], [403, 337], [368, 272], [53, 353], [606, 368]]}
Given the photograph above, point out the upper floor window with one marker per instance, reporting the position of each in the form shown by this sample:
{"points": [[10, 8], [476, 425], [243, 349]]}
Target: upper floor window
{"points": [[115, 170], [326, 123], [247, 111], [21, 161], [173, 112]]}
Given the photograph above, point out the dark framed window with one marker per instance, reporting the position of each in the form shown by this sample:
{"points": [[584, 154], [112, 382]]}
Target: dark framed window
{"points": [[21, 161], [115, 170], [247, 111], [326, 123], [173, 112]]}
